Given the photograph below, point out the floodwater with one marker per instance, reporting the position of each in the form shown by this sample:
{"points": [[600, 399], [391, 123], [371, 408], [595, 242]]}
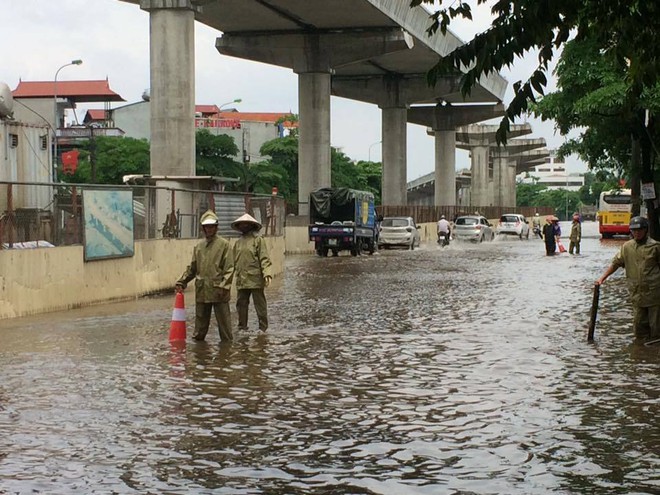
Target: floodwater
{"points": [[463, 370]]}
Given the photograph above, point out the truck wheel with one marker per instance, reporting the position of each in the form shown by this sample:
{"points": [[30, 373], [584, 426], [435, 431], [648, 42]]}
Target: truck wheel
{"points": [[335, 252], [324, 252]]}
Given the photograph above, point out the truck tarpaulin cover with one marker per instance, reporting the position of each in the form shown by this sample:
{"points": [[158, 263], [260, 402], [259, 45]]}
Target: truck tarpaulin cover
{"points": [[330, 204]]}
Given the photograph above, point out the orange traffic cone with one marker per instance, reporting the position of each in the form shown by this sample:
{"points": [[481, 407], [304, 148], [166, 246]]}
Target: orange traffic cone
{"points": [[178, 325]]}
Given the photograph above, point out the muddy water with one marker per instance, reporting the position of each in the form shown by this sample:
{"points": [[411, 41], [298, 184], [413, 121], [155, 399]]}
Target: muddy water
{"points": [[457, 371]]}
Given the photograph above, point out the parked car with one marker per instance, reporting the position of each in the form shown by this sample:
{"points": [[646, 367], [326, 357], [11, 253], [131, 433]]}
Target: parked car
{"points": [[473, 228], [398, 231], [513, 224]]}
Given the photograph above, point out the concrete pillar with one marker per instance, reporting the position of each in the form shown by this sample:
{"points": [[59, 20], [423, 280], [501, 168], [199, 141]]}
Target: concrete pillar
{"points": [[172, 51], [445, 168], [501, 186], [479, 186], [314, 136], [395, 137], [511, 182]]}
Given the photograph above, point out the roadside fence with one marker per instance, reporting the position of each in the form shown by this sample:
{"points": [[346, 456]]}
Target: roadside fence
{"points": [[35, 214]]}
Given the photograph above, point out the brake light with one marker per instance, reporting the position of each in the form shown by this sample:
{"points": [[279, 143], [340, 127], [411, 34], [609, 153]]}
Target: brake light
{"points": [[478, 227]]}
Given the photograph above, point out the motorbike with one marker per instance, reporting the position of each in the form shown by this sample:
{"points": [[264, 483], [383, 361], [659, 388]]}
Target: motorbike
{"points": [[443, 239], [537, 232]]}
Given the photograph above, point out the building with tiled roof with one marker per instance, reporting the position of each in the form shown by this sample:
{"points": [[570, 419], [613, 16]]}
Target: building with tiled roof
{"points": [[74, 91], [39, 97], [250, 130]]}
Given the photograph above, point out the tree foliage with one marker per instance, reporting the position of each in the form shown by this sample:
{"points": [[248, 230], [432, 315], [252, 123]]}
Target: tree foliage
{"points": [[627, 31], [215, 154], [114, 157]]}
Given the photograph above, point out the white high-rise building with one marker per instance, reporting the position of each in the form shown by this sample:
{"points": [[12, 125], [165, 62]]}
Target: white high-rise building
{"points": [[553, 175]]}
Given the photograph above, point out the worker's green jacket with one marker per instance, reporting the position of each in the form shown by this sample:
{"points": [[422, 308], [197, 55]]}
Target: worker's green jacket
{"points": [[576, 232], [251, 261], [642, 264], [212, 267]]}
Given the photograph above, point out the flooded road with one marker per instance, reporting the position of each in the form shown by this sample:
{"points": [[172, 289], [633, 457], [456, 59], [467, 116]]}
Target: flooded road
{"points": [[462, 370]]}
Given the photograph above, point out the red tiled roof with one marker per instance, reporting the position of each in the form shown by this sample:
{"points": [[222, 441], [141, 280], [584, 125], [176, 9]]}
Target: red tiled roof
{"points": [[76, 91], [207, 109], [270, 117], [94, 114]]}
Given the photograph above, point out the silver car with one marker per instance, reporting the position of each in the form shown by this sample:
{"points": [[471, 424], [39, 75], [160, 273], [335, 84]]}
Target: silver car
{"points": [[473, 228], [398, 231]]}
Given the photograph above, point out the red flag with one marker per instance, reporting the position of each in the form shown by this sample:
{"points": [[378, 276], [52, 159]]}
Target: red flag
{"points": [[70, 161]]}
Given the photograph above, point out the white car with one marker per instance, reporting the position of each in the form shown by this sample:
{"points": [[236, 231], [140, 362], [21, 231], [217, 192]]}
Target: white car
{"points": [[473, 228], [398, 231], [513, 224]]}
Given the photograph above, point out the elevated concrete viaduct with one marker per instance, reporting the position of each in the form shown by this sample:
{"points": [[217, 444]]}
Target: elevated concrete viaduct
{"points": [[347, 40], [443, 121]]}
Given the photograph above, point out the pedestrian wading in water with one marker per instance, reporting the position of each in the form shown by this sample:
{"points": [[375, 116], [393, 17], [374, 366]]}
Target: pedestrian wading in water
{"points": [[252, 271], [640, 257], [212, 267], [551, 233], [576, 235]]}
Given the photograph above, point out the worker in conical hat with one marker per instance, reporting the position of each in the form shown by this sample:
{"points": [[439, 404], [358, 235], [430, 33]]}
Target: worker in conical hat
{"points": [[212, 267], [253, 272]]}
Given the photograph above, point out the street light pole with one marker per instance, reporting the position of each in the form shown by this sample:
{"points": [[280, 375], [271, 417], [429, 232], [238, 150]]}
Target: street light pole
{"points": [[371, 146], [55, 114], [237, 100]]}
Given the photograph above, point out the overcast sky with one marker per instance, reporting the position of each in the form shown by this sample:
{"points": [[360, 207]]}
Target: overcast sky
{"points": [[112, 39]]}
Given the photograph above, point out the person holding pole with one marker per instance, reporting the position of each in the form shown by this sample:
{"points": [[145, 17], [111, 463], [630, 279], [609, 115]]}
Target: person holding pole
{"points": [[212, 267], [640, 257]]}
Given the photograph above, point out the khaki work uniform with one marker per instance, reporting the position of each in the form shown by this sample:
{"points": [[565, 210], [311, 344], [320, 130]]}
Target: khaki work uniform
{"points": [[575, 237], [642, 264], [252, 264], [212, 267]]}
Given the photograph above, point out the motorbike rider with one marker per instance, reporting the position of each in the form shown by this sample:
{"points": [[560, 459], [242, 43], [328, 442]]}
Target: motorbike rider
{"points": [[443, 229], [536, 225]]}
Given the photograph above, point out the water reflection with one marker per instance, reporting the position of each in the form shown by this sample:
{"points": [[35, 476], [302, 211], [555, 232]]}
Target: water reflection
{"points": [[462, 370]]}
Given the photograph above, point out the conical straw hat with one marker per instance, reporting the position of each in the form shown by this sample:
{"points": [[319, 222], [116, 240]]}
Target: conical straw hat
{"points": [[247, 218]]}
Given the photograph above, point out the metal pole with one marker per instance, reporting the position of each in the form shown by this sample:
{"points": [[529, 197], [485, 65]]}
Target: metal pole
{"points": [[56, 124], [371, 146]]}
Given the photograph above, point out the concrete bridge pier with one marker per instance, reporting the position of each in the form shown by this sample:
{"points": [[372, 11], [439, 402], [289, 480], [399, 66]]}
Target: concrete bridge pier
{"points": [[172, 70], [395, 139], [314, 168], [314, 58], [478, 139], [444, 120]]}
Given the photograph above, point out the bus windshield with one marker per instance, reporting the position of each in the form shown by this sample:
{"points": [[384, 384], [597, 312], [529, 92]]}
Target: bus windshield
{"points": [[615, 200]]}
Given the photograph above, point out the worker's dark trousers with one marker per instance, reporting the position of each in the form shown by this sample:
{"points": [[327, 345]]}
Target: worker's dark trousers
{"points": [[646, 322], [574, 246], [242, 303], [203, 320]]}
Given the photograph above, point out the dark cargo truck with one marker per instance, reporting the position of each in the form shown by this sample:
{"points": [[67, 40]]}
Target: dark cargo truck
{"points": [[342, 219]]}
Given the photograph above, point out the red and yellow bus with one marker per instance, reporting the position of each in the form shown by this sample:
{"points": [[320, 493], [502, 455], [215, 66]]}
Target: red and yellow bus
{"points": [[614, 210]]}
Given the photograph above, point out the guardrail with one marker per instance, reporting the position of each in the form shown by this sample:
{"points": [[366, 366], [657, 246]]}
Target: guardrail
{"points": [[53, 214]]}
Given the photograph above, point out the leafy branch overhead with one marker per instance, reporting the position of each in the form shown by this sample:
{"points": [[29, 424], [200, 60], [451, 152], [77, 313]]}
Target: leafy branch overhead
{"points": [[626, 30]]}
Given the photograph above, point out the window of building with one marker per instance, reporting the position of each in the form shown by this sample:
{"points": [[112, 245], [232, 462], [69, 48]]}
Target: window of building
{"points": [[13, 140], [44, 142]]}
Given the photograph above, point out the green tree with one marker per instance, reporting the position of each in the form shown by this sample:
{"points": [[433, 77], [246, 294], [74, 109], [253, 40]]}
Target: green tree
{"points": [[626, 32], [528, 194], [114, 157], [283, 153], [215, 154]]}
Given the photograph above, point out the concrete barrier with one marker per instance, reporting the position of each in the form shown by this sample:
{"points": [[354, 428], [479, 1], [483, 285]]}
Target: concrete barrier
{"points": [[52, 279]]}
